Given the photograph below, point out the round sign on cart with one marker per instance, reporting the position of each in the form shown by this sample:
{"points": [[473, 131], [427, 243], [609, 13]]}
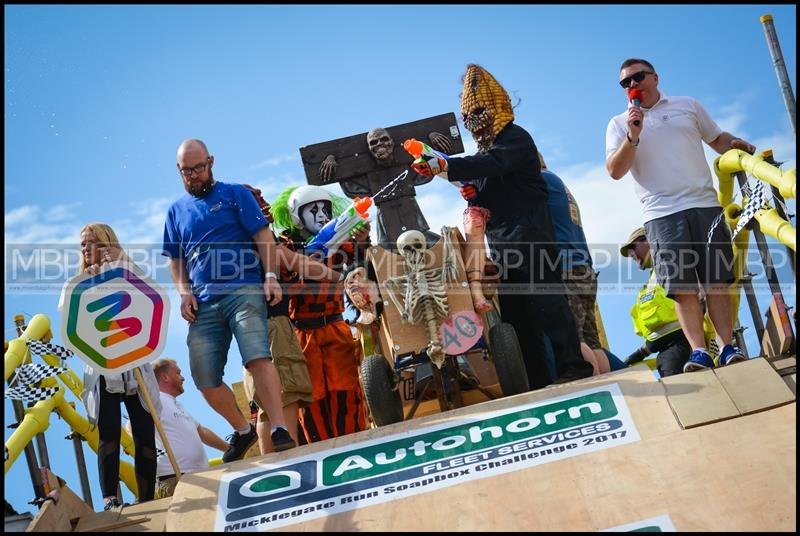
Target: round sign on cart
{"points": [[460, 331], [115, 320]]}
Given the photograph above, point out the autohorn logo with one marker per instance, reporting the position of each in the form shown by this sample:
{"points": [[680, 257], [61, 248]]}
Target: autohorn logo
{"points": [[399, 465]]}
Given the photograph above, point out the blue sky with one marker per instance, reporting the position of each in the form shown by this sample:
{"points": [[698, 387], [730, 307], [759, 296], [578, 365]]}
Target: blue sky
{"points": [[97, 99]]}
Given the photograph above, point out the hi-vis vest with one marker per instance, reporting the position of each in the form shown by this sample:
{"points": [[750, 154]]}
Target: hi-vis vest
{"points": [[654, 313]]}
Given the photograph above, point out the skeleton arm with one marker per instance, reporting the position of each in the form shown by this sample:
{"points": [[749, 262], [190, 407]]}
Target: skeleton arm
{"points": [[440, 142], [395, 287], [327, 170]]}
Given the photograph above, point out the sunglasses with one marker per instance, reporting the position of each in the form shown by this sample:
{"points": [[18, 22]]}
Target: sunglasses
{"points": [[638, 77]]}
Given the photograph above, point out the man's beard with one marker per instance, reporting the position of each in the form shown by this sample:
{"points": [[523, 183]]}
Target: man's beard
{"points": [[200, 189]]}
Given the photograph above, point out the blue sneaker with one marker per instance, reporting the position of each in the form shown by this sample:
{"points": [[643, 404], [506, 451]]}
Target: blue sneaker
{"points": [[699, 360], [730, 354]]}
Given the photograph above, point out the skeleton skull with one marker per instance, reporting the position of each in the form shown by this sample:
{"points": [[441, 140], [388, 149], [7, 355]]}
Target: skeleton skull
{"points": [[381, 145], [412, 246]]}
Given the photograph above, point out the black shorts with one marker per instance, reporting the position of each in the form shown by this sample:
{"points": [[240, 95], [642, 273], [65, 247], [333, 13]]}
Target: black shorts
{"points": [[684, 254]]}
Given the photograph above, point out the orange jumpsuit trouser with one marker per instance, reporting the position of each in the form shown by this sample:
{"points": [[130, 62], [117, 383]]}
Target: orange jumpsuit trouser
{"points": [[337, 408]]}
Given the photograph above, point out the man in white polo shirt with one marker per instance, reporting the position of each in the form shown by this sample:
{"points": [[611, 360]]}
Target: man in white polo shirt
{"points": [[659, 139], [185, 435]]}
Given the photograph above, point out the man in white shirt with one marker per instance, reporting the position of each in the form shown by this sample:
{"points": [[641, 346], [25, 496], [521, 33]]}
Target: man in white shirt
{"points": [[185, 435], [659, 140]]}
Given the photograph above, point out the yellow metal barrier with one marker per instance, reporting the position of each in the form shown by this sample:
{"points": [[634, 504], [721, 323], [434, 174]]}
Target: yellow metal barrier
{"points": [[36, 418], [772, 224], [768, 219], [737, 160]]}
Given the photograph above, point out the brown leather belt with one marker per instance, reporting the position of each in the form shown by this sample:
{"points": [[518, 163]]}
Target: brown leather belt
{"points": [[314, 323]]}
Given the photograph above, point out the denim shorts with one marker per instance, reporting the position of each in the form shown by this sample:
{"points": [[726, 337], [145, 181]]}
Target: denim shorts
{"points": [[243, 314]]}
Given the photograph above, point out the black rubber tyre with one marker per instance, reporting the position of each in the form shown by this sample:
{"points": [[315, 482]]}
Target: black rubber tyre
{"points": [[381, 393], [507, 358]]}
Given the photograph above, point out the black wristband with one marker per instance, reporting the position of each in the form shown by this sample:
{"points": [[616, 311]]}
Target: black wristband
{"points": [[628, 135]]}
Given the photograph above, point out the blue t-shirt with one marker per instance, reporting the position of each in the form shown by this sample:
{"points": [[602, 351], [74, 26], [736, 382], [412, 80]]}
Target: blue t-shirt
{"points": [[214, 236], [573, 250]]}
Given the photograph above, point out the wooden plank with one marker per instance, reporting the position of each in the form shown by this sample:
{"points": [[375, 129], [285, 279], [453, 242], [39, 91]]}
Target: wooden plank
{"points": [[404, 338], [52, 517], [753, 385], [698, 398], [122, 523], [752, 487], [778, 337], [784, 365], [148, 516], [99, 520], [791, 382], [194, 504], [73, 505], [354, 158]]}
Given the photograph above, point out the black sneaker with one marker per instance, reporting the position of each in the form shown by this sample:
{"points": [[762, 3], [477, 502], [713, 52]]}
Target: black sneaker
{"points": [[575, 373], [113, 503], [239, 444], [281, 440]]}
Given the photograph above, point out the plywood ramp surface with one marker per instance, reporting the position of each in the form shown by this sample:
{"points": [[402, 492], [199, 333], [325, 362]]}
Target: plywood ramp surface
{"points": [[738, 474]]}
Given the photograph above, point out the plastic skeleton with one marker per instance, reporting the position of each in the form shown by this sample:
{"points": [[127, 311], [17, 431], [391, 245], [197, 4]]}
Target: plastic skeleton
{"points": [[421, 294]]}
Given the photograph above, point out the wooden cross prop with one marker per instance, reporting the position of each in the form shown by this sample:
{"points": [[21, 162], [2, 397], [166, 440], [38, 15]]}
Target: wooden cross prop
{"points": [[359, 173]]}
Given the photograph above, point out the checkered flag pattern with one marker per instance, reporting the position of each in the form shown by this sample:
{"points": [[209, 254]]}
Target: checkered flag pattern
{"points": [[44, 348], [756, 200], [28, 375], [35, 372], [31, 394]]}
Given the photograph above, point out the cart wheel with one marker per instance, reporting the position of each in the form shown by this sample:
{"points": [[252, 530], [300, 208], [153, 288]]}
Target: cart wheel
{"points": [[380, 390], [507, 358]]}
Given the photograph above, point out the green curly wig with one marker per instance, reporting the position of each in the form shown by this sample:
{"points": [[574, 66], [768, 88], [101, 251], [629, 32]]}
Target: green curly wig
{"points": [[280, 208]]}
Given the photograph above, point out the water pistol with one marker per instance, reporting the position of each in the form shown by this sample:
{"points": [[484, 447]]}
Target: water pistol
{"points": [[427, 161], [338, 230]]}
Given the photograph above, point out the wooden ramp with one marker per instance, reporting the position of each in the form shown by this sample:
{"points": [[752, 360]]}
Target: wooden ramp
{"points": [[713, 450]]}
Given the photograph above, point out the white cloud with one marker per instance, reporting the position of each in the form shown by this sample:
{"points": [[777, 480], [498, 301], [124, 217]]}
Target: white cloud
{"points": [[276, 161], [142, 223], [147, 226], [27, 232], [60, 213], [273, 185], [609, 209], [22, 215], [441, 204]]}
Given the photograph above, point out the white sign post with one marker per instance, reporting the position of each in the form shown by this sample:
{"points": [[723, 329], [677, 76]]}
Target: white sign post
{"points": [[116, 321]]}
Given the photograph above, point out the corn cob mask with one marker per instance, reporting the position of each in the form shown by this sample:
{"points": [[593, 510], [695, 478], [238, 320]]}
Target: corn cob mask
{"points": [[485, 106]]}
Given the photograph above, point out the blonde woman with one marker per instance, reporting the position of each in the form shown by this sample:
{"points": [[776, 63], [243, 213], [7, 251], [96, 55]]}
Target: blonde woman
{"points": [[103, 394]]}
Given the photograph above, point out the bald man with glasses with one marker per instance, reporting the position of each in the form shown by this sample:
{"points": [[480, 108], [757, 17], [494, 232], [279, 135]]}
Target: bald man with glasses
{"points": [[659, 140]]}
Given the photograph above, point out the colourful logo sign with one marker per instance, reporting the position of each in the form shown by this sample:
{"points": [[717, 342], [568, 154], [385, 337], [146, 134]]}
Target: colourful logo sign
{"points": [[115, 320]]}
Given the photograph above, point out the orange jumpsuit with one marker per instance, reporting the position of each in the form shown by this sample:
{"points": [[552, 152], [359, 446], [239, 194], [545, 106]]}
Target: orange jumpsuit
{"points": [[316, 308]]}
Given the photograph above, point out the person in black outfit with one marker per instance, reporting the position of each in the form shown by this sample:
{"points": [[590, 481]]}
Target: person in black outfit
{"points": [[103, 393], [505, 178]]}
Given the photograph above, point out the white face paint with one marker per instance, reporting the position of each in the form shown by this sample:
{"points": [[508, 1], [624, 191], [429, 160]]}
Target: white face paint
{"points": [[315, 215]]}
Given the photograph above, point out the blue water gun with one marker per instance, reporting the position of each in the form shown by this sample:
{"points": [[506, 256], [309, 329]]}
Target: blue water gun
{"points": [[336, 231]]}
